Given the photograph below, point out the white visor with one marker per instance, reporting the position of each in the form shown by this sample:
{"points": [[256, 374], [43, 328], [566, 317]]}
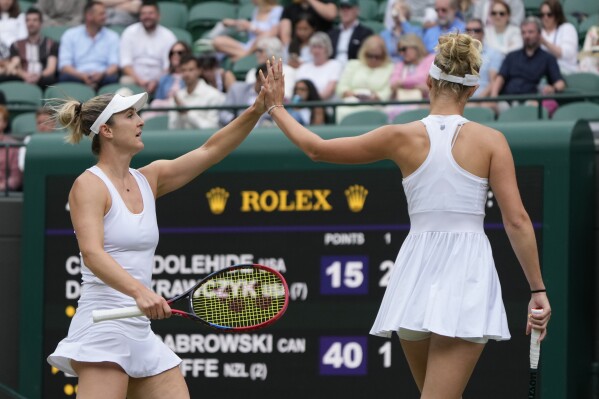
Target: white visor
{"points": [[467, 80], [119, 104]]}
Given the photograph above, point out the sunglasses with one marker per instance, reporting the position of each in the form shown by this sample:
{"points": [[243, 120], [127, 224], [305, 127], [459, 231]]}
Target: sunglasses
{"points": [[259, 50], [441, 10], [402, 49], [498, 13], [546, 14], [474, 30], [374, 56], [178, 52]]}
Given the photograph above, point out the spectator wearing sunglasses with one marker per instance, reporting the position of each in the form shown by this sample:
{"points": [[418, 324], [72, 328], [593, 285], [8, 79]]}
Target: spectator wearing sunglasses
{"points": [[447, 21], [491, 60], [483, 8], [501, 35], [347, 38], [559, 37], [365, 78]]}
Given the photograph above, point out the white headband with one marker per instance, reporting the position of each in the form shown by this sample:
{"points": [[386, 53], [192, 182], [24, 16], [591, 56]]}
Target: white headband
{"points": [[119, 104], [467, 80]]}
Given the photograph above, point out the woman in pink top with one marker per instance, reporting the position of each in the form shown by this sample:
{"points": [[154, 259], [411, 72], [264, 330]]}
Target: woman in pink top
{"points": [[408, 79]]}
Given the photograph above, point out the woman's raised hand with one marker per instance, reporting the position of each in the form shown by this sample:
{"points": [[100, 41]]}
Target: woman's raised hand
{"points": [[273, 84]]}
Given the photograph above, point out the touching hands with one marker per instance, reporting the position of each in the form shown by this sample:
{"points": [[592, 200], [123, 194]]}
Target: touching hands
{"points": [[273, 84]]}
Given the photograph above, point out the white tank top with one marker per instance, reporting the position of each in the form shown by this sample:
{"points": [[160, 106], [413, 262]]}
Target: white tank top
{"points": [[130, 238], [441, 195]]}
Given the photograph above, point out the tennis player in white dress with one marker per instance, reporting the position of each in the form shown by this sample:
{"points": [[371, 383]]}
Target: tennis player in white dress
{"points": [[113, 213], [444, 297]]}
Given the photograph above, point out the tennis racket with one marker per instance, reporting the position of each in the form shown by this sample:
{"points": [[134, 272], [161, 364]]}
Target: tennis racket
{"points": [[237, 298], [535, 351]]}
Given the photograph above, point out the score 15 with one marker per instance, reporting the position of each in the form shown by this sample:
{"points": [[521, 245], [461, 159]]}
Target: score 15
{"points": [[344, 275]]}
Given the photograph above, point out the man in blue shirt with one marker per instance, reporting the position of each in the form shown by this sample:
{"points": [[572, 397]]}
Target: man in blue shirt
{"points": [[446, 22], [522, 70], [89, 53]]}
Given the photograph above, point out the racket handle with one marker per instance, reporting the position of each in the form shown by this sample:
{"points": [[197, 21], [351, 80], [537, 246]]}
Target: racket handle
{"points": [[535, 345], [113, 314]]}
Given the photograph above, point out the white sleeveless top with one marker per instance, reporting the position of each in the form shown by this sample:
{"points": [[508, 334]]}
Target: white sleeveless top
{"points": [[444, 279], [130, 239]]}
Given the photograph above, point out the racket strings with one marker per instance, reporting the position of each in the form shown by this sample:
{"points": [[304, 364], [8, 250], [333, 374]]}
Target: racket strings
{"points": [[240, 298]]}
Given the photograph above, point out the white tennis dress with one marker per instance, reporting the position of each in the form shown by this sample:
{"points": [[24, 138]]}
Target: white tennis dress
{"points": [[444, 279], [131, 239]]}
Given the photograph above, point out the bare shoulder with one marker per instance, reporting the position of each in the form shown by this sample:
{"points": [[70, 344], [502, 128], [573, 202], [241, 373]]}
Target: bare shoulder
{"points": [[88, 188], [487, 135]]}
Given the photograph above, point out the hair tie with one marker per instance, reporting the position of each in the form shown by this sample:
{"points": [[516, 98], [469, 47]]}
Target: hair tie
{"points": [[78, 108]]}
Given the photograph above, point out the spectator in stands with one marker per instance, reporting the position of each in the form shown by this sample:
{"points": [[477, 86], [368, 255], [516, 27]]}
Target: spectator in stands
{"points": [[522, 70], [265, 22], [144, 49], [215, 75], [323, 12], [466, 9], [323, 70], [447, 21], [89, 53], [559, 37], [11, 177], [61, 12], [242, 93], [44, 123], [589, 55], [483, 9], [400, 14], [7, 69], [35, 58], [121, 12], [501, 34], [365, 78], [12, 22], [348, 37], [266, 48], [299, 48], [305, 91], [420, 10], [408, 79], [491, 59], [196, 93], [171, 82]]}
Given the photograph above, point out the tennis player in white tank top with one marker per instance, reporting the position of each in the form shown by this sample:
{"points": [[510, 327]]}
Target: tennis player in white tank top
{"points": [[444, 298], [113, 214]]}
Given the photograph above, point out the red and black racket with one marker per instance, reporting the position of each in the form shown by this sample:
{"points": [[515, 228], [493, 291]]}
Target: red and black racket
{"points": [[535, 352], [238, 298]]}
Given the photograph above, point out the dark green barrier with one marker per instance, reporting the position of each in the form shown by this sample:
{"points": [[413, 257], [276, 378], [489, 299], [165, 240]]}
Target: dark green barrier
{"points": [[291, 213]]}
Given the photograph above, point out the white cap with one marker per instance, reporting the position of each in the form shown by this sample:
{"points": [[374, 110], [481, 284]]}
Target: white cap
{"points": [[119, 104]]}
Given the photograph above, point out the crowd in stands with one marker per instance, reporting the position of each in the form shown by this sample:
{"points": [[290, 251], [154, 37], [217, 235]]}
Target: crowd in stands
{"points": [[333, 50]]}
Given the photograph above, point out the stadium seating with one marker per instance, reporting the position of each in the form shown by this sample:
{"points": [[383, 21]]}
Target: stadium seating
{"points": [[203, 16], [54, 32], [23, 125], [479, 114], [114, 87], [376, 26], [182, 35], [17, 92], [369, 10], [577, 110], [77, 91], [522, 113], [411, 115], [365, 118], [531, 7], [172, 14], [581, 8], [159, 122], [243, 65]]}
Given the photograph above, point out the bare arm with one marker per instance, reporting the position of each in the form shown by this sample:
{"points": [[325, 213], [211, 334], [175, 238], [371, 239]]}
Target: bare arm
{"points": [[88, 200], [502, 178], [326, 10], [168, 175], [497, 85]]}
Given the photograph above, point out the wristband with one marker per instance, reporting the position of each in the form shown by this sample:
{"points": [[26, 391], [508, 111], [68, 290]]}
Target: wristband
{"points": [[272, 107], [535, 291]]}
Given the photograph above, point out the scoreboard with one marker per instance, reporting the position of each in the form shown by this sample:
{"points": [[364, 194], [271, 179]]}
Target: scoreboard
{"points": [[334, 234]]}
